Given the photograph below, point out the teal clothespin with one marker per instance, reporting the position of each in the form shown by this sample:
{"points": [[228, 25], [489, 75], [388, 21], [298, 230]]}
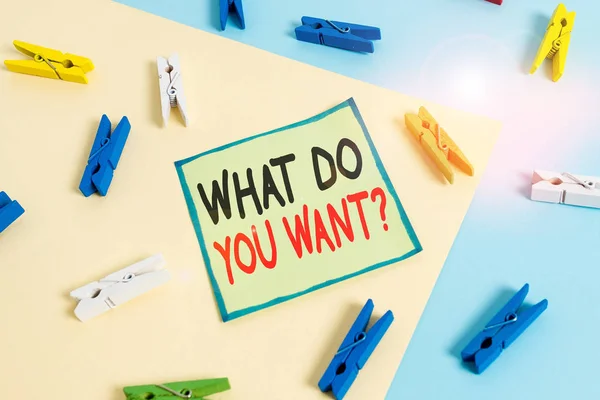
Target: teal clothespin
{"points": [[178, 390]]}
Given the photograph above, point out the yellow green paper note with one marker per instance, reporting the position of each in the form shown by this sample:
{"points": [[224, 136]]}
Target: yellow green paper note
{"points": [[293, 210]]}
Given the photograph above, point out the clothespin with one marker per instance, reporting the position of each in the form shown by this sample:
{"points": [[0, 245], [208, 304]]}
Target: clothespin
{"points": [[120, 287], [104, 157], [338, 34], [10, 210], [354, 352], [437, 144], [502, 330], [231, 7], [171, 87], [178, 390], [565, 188], [49, 63], [555, 44], [498, 2]]}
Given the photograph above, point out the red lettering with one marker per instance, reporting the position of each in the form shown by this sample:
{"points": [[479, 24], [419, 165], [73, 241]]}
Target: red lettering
{"points": [[240, 237], [336, 221], [226, 254], [321, 233], [302, 232], [267, 263], [357, 198]]}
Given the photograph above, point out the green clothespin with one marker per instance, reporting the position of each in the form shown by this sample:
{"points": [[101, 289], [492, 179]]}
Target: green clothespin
{"points": [[178, 390]]}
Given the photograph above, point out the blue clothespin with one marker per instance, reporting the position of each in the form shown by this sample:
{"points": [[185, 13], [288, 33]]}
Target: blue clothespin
{"points": [[104, 157], [502, 330], [234, 7], [354, 352], [10, 210], [338, 34]]}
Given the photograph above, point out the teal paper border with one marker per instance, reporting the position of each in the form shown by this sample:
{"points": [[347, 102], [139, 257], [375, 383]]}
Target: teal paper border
{"points": [[225, 315]]}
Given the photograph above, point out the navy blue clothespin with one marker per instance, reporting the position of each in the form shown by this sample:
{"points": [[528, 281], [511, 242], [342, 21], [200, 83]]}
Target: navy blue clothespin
{"points": [[354, 352], [502, 331], [338, 34], [234, 7], [10, 210], [104, 157]]}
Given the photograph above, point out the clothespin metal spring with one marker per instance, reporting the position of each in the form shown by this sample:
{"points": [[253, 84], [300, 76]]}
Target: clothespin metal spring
{"points": [[558, 42], [103, 145], [172, 91], [184, 394], [41, 58], [510, 318], [586, 184], [126, 278], [359, 338], [66, 63], [337, 28], [440, 146]]}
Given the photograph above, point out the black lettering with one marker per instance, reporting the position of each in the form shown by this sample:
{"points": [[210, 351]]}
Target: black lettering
{"points": [[248, 191], [339, 158], [281, 162], [317, 151], [220, 198], [270, 189]]}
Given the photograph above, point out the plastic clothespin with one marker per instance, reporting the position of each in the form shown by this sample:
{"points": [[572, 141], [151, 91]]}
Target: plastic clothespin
{"points": [[231, 7], [49, 63], [354, 352], [104, 157], [120, 287], [171, 87], [565, 188], [437, 144], [338, 34], [498, 2], [178, 390], [10, 211], [502, 330], [555, 44]]}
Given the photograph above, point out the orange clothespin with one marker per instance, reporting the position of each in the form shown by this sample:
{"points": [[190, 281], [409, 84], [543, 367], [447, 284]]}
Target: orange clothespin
{"points": [[437, 144]]}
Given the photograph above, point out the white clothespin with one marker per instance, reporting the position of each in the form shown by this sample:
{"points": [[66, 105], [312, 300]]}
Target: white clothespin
{"points": [[171, 87], [98, 297], [565, 188]]}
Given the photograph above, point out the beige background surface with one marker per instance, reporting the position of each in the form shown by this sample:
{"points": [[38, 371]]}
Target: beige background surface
{"points": [[65, 240]]}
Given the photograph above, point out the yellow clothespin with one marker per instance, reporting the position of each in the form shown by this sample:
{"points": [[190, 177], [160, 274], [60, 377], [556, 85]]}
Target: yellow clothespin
{"points": [[49, 63], [438, 145], [555, 44]]}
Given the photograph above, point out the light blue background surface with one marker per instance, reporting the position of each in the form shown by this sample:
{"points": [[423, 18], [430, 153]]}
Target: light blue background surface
{"points": [[474, 55]]}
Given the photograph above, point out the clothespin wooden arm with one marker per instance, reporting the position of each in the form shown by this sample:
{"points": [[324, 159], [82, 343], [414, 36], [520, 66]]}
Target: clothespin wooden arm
{"points": [[178, 390]]}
